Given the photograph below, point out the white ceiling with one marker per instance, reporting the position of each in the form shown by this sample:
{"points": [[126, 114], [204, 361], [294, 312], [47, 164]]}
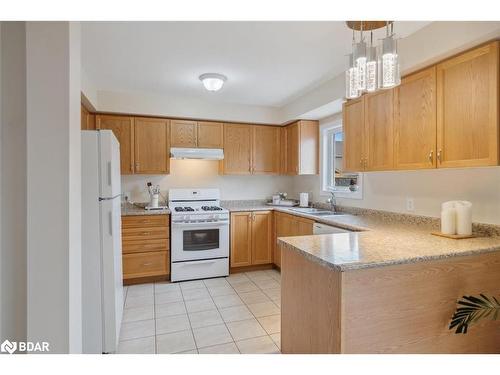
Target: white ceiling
{"points": [[267, 63]]}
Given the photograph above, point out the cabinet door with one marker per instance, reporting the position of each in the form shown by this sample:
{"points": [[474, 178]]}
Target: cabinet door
{"points": [[379, 131], [354, 135], [183, 133], [262, 226], [303, 227], [241, 239], [210, 135], [123, 129], [151, 146], [292, 149], [237, 149], [265, 150], [415, 121], [467, 109], [282, 152], [308, 155], [284, 226]]}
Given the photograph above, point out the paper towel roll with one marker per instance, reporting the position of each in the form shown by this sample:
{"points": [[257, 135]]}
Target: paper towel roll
{"points": [[448, 221], [464, 217], [304, 199]]}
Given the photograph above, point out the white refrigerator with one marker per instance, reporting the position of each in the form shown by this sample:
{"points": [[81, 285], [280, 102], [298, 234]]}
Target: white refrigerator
{"points": [[102, 280]]}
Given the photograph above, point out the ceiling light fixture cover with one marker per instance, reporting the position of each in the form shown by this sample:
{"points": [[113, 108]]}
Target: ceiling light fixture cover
{"points": [[213, 81]]}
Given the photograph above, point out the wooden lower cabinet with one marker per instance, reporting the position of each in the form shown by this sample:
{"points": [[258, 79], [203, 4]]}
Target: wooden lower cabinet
{"points": [[287, 225], [145, 246], [251, 236]]}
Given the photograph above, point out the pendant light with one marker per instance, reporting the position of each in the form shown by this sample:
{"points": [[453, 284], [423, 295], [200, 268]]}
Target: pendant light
{"points": [[351, 76], [390, 75], [359, 55], [371, 67]]}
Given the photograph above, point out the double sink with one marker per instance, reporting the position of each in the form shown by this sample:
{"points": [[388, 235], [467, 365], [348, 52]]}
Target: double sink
{"points": [[316, 211]]}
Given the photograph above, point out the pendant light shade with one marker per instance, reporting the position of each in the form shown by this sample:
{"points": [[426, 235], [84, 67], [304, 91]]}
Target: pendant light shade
{"points": [[359, 55], [351, 79], [390, 75]]}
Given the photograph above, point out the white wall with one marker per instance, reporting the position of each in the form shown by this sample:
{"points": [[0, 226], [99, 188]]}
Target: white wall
{"points": [[204, 174], [13, 182], [54, 193], [177, 106]]}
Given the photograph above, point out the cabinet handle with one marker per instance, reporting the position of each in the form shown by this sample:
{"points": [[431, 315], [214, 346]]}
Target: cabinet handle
{"points": [[147, 264], [136, 165], [439, 155], [146, 233], [361, 162], [431, 156]]}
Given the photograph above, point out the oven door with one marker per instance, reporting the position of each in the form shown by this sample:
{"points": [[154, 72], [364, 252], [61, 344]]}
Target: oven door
{"points": [[194, 241]]}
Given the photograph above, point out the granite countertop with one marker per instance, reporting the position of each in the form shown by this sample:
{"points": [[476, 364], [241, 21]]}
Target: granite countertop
{"points": [[129, 209], [379, 238]]}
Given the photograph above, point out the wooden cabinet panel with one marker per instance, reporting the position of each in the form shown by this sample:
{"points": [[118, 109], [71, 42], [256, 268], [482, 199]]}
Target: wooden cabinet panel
{"points": [[237, 149], [308, 156], [123, 129], [87, 119], [134, 221], [303, 227], [145, 233], [152, 149], [183, 133], [415, 121], [210, 135], [262, 226], [145, 264], [282, 152], [292, 149], [241, 239], [354, 135], [467, 108], [265, 152], [379, 130], [144, 246], [285, 225]]}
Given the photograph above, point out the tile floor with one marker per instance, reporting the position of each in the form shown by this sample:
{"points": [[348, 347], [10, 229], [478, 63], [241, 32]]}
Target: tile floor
{"points": [[235, 314]]}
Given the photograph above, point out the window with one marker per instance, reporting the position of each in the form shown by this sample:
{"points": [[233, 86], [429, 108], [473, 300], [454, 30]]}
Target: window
{"points": [[333, 178]]}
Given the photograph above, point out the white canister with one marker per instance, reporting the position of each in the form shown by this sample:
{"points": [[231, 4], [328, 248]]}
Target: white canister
{"points": [[154, 200], [448, 221], [464, 218], [304, 199]]}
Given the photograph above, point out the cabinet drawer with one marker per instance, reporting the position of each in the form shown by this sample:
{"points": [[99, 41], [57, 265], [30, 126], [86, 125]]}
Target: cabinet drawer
{"points": [[144, 221], [147, 233], [146, 264], [138, 246]]}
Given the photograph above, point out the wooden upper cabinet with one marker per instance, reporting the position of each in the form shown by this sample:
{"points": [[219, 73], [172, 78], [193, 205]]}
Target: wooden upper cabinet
{"points": [[237, 149], [266, 150], [415, 121], [152, 147], [282, 151], [241, 239], [123, 129], [87, 120], [467, 108], [183, 133], [210, 135], [354, 135], [379, 130], [262, 228], [292, 149]]}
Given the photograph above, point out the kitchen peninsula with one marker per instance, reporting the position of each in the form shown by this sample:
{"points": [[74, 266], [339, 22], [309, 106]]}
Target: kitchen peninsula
{"points": [[391, 288]]}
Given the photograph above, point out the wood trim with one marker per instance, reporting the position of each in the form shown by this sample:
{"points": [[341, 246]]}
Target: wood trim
{"points": [[145, 280], [254, 267]]}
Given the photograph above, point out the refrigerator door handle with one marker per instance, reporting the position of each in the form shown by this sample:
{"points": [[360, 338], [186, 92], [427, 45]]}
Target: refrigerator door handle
{"points": [[109, 173], [110, 215]]}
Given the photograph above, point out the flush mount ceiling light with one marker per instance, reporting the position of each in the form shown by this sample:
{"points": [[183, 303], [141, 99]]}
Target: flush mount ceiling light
{"points": [[213, 81]]}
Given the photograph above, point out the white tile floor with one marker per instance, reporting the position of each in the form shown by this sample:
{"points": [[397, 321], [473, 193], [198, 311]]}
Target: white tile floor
{"points": [[235, 314]]}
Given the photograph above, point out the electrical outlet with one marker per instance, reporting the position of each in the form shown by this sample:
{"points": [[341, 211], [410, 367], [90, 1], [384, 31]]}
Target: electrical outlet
{"points": [[410, 204], [126, 196]]}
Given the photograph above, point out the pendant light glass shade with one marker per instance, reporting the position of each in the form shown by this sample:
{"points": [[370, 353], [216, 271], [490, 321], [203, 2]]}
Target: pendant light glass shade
{"points": [[359, 56], [371, 70], [351, 79], [390, 74]]}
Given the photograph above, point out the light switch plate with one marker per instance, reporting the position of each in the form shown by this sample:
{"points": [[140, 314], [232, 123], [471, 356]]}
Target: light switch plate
{"points": [[410, 204]]}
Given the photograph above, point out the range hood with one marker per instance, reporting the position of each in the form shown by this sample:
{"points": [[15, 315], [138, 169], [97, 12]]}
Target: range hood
{"points": [[197, 153]]}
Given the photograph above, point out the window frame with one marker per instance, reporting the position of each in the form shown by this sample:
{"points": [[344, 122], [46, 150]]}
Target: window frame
{"points": [[326, 160]]}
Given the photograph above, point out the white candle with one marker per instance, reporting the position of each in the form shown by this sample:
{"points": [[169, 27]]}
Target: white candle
{"points": [[448, 221], [464, 218]]}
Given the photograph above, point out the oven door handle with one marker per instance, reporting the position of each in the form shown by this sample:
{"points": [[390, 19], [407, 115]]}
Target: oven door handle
{"points": [[203, 223], [198, 262]]}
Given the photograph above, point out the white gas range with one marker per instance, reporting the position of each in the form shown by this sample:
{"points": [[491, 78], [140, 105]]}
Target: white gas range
{"points": [[200, 234]]}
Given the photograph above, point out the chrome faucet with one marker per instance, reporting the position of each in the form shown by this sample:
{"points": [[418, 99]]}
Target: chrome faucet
{"points": [[332, 200]]}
